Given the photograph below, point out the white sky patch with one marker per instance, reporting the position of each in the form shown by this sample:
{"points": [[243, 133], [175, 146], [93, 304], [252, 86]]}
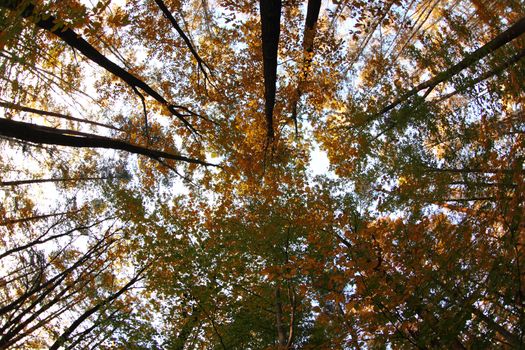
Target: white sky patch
{"points": [[319, 163]]}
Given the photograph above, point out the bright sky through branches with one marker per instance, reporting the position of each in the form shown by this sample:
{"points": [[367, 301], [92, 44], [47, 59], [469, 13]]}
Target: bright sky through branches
{"points": [[223, 174]]}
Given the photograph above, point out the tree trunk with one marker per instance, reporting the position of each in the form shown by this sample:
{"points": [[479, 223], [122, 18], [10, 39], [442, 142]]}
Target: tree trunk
{"points": [[507, 335], [281, 333], [271, 30], [35, 217], [38, 181], [54, 114], [51, 136], [186, 330], [73, 39], [179, 30], [67, 333], [312, 15], [41, 240], [500, 40], [54, 281]]}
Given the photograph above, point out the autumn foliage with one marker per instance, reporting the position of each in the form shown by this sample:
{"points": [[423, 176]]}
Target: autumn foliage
{"points": [[160, 185]]}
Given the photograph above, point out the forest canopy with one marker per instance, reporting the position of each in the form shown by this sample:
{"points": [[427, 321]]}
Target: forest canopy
{"points": [[160, 185]]}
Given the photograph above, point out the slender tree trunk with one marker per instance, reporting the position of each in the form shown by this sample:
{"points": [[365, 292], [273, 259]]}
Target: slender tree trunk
{"points": [[96, 324], [281, 333], [187, 328], [73, 39], [472, 170], [38, 181], [36, 217], [67, 333], [20, 324], [514, 31], [291, 329], [312, 15], [184, 37], [495, 71], [53, 114], [507, 335], [41, 240], [51, 283], [17, 327], [482, 184]]}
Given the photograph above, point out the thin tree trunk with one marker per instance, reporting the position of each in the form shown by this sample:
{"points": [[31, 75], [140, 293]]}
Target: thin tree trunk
{"points": [[179, 30], [67, 333], [37, 181], [281, 334], [53, 114], [472, 170], [20, 323], [291, 329], [495, 71], [96, 324], [56, 279], [62, 295], [73, 39], [40, 239], [312, 15], [481, 184], [514, 31], [35, 217], [507, 335], [186, 330]]}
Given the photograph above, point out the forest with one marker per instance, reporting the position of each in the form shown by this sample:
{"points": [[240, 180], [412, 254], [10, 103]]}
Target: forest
{"points": [[272, 174]]}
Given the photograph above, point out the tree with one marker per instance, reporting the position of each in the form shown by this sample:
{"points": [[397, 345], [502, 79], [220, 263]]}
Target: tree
{"points": [[157, 188]]}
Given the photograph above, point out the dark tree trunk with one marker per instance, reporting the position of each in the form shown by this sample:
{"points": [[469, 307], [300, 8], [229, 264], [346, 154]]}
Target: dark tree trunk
{"points": [[67, 333], [42, 240], [270, 25], [51, 136], [38, 181], [53, 25], [281, 333], [187, 328], [33, 218], [312, 15], [184, 37], [54, 114], [514, 31]]}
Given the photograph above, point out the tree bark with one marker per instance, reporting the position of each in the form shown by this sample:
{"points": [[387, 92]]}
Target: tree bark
{"points": [[11, 331], [67, 333], [184, 37], [35, 217], [312, 15], [507, 335], [473, 170], [70, 37], [37, 181], [271, 30], [500, 40], [54, 281], [62, 137], [54, 114], [187, 327], [281, 333], [495, 71], [42, 240]]}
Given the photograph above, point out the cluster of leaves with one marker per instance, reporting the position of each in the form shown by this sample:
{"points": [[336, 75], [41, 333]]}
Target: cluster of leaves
{"points": [[156, 188]]}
